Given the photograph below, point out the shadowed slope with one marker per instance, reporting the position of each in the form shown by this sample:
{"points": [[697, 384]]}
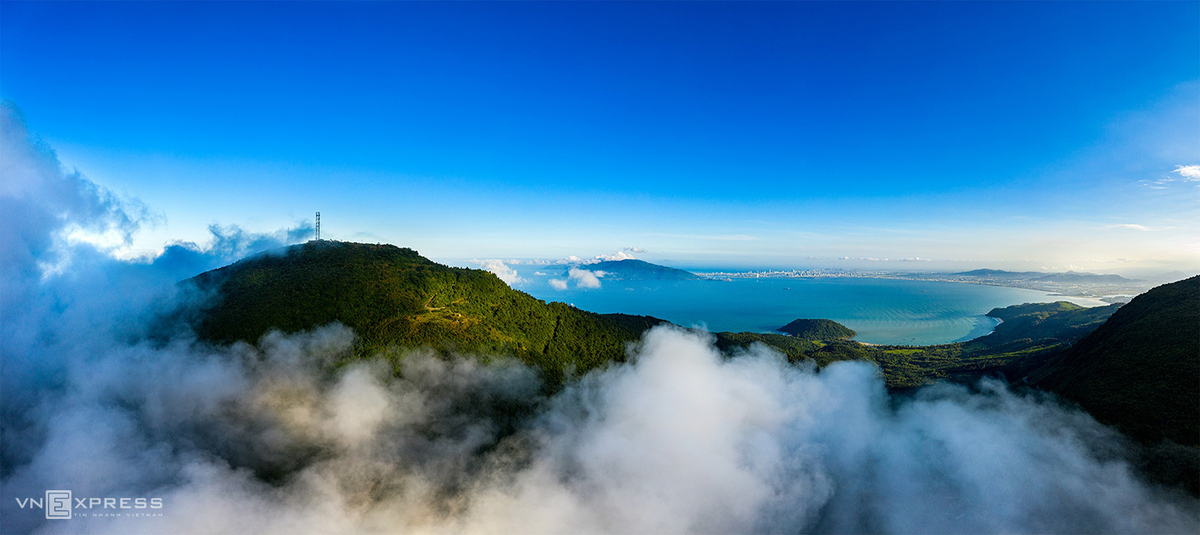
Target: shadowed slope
{"points": [[1140, 370]]}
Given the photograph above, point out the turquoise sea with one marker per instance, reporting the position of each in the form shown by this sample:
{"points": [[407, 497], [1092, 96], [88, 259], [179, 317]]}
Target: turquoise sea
{"points": [[882, 311]]}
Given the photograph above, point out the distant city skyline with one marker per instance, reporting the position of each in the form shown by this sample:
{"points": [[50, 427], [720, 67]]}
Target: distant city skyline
{"points": [[900, 135]]}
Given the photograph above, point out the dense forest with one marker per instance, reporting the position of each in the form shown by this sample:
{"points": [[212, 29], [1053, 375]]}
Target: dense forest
{"points": [[394, 298], [1029, 334], [1140, 372], [817, 329]]}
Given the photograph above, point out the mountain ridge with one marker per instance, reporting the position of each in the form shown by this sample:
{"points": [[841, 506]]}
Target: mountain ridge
{"points": [[1140, 370], [634, 269], [394, 298], [1067, 276]]}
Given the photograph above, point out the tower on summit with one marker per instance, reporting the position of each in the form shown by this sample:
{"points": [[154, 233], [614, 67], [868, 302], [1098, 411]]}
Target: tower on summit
{"points": [[318, 226]]}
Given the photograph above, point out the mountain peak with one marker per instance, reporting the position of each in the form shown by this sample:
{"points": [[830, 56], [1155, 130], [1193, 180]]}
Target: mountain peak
{"points": [[634, 269]]}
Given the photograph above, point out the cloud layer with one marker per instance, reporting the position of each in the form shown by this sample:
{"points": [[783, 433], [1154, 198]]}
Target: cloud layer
{"points": [[683, 440]]}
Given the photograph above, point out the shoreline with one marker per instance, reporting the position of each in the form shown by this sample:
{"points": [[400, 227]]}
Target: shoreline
{"points": [[1113, 295], [644, 298], [990, 332]]}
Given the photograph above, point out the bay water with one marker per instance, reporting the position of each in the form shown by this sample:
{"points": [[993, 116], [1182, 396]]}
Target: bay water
{"points": [[881, 311]]}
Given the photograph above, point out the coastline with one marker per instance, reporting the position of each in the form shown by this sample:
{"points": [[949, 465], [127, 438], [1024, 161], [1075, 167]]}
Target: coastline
{"points": [[759, 301], [1095, 295]]}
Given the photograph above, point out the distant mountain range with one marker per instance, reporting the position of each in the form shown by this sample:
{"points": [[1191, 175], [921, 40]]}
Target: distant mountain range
{"points": [[1068, 277], [1000, 274], [631, 269]]}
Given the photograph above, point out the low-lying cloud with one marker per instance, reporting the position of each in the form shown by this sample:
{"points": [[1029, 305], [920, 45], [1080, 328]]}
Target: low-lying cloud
{"points": [[623, 254], [501, 270], [582, 278], [682, 440], [104, 396], [586, 279], [626, 253]]}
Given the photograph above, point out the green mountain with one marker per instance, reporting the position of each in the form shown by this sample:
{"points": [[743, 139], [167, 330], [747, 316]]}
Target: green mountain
{"points": [[817, 330], [1140, 370], [1043, 324], [394, 298], [1028, 336], [631, 269]]}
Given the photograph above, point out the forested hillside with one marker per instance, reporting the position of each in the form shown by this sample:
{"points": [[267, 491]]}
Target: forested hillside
{"points": [[1140, 370], [393, 297]]}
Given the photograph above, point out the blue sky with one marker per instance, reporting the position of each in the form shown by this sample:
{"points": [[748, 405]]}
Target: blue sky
{"points": [[1020, 135]]}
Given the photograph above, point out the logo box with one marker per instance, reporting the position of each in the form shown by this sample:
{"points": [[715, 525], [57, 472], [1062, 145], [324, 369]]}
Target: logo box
{"points": [[58, 504]]}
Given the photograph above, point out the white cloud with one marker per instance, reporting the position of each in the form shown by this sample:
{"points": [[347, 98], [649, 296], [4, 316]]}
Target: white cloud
{"points": [[681, 439], [586, 279], [581, 277], [500, 269], [626, 253], [1188, 172], [1131, 226], [617, 256], [527, 262], [570, 260]]}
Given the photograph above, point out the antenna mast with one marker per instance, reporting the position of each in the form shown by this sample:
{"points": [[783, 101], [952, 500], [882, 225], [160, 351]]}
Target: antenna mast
{"points": [[318, 226]]}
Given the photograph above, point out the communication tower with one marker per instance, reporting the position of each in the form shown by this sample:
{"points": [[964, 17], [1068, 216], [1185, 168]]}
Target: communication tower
{"points": [[318, 226]]}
